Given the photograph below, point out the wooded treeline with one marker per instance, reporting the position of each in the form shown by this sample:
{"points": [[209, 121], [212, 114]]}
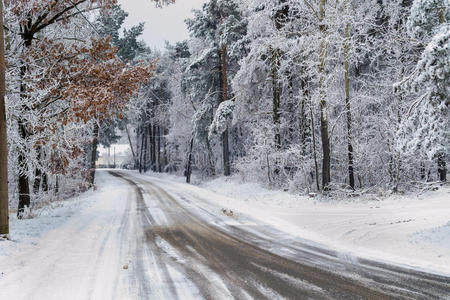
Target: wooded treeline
{"points": [[302, 95]]}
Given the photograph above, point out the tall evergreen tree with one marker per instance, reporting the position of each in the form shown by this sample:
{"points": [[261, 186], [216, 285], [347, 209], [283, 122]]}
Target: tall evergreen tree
{"points": [[221, 23]]}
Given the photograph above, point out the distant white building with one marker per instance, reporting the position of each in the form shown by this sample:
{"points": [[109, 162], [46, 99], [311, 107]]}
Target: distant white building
{"points": [[117, 154]]}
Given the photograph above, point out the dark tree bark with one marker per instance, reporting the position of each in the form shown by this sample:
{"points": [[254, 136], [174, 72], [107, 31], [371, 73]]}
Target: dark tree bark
{"points": [[158, 149], [326, 149], [226, 154], [145, 160], [188, 167], [351, 175], [153, 147], [141, 166], [326, 155], [442, 167], [280, 18], [44, 182], [165, 159], [316, 166], [302, 122], [37, 173], [276, 93], [4, 214], [93, 155], [224, 90], [23, 184], [56, 185]]}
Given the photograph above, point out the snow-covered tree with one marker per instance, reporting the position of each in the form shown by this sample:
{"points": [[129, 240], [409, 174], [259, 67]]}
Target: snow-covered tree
{"points": [[426, 129]]}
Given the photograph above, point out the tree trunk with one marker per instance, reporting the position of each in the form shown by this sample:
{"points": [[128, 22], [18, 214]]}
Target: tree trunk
{"points": [[158, 154], [131, 144], [93, 154], [276, 91], [442, 167], [148, 154], [225, 140], [141, 166], [188, 167], [4, 214], [399, 158], [302, 122], [23, 185], [212, 166], [326, 150], [44, 182], [150, 147], [153, 147], [147, 148], [226, 154], [165, 160], [37, 172], [347, 105], [56, 184], [316, 165]]}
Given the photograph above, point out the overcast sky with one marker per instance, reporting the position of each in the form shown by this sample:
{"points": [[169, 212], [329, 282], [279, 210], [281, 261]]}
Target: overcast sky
{"points": [[161, 24]]}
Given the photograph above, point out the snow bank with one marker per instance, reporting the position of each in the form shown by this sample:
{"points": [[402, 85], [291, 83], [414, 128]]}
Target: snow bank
{"points": [[47, 218]]}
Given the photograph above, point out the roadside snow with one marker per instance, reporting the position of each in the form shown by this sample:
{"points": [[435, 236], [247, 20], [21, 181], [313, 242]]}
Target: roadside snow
{"points": [[413, 231], [28, 231], [70, 252]]}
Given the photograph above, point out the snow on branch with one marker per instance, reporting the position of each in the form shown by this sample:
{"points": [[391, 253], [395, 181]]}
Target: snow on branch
{"points": [[223, 116]]}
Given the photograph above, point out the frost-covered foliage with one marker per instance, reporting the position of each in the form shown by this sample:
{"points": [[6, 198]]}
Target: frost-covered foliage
{"points": [[222, 118], [426, 16], [370, 78], [427, 128], [433, 69]]}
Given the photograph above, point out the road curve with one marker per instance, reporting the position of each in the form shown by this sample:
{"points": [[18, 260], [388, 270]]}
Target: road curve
{"points": [[197, 255]]}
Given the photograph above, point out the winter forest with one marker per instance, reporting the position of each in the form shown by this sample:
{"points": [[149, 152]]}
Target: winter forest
{"points": [[308, 96]]}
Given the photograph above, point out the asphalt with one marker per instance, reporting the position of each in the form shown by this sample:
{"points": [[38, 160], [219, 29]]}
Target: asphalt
{"points": [[253, 262]]}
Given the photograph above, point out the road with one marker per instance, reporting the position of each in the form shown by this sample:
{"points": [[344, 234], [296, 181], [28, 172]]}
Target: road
{"points": [[164, 243]]}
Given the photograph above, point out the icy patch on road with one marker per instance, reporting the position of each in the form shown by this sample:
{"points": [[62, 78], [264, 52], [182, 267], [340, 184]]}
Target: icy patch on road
{"points": [[184, 287], [169, 250], [304, 284]]}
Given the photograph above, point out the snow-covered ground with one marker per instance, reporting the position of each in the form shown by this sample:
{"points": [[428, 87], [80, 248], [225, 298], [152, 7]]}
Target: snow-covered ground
{"points": [[71, 251], [404, 229], [91, 247], [414, 230]]}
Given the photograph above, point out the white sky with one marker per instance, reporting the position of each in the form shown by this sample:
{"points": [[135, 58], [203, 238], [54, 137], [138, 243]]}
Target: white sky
{"points": [[161, 24]]}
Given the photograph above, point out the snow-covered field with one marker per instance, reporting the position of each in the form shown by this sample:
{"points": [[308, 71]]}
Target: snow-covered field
{"points": [[404, 229]]}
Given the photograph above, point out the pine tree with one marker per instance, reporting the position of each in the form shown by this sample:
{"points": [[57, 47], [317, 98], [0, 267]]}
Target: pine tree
{"points": [[222, 24]]}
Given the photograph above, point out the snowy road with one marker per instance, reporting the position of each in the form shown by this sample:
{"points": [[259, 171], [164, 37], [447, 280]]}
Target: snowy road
{"points": [[150, 239]]}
